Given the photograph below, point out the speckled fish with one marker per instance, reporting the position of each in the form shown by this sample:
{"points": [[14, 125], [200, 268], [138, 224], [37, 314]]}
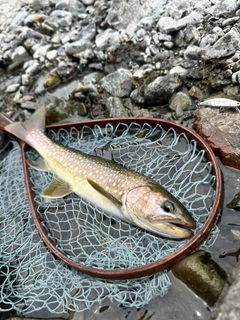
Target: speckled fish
{"points": [[220, 103], [121, 192]]}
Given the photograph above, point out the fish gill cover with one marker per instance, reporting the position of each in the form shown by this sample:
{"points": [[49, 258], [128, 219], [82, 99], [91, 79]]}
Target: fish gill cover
{"points": [[33, 279]]}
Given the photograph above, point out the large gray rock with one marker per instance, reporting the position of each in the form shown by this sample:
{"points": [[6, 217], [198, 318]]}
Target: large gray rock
{"points": [[108, 40], [118, 84], [224, 47], [227, 306], [161, 89], [76, 47]]}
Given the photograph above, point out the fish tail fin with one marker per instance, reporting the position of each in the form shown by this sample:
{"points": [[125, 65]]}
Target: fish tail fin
{"points": [[22, 129]]}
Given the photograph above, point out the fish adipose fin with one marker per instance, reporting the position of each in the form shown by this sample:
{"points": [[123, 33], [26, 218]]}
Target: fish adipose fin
{"points": [[106, 194], [21, 129], [39, 164], [58, 188]]}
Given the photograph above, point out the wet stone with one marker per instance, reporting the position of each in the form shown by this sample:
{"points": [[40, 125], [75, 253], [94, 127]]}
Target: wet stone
{"points": [[235, 202], [74, 48], [64, 18], [52, 79], [227, 306], [13, 88], [118, 84], [224, 47], [115, 108], [222, 132], [202, 275], [66, 70], [180, 102], [107, 37], [195, 92], [161, 89]]}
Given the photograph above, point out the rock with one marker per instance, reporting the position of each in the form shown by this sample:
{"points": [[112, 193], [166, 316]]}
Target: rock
{"points": [[13, 88], [32, 67], [136, 96], [143, 71], [161, 89], [193, 52], [28, 33], [118, 84], [64, 18], [52, 79], [180, 71], [51, 55], [40, 50], [67, 70], [236, 77], [87, 32], [26, 80], [34, 19], [77, 47], [224, 47], [195, 92], [126, 14], [169, 25], [209, 39], [20, 54], [180, 102], [44, 28], [235, 203], [108, 40], [218, 82], [227, 306], [221, 131], [202, 275], [225, 7], [58, 110], [39, 4], [17, 20], [88, 2], [147, 23], [115, 108], [230, 21], [67, 5]]}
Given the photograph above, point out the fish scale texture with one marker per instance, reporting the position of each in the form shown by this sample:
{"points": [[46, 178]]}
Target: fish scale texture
{"points": [[32, 279]]}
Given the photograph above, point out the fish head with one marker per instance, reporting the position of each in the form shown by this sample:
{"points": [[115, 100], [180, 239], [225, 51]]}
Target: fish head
{"points": [[153, 208]]}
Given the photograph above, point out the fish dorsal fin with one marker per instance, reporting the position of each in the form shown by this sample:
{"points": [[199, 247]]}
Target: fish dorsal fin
{"points": [[103, 192], [40, 164], [58, 188]]}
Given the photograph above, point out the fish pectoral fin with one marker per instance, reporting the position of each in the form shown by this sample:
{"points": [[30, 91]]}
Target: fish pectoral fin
{"points": [[58, 188], [39, 164], [103, 192]]}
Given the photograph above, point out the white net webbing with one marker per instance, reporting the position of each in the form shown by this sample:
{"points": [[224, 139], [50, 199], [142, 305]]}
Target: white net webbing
{"points": [[32, 279]]}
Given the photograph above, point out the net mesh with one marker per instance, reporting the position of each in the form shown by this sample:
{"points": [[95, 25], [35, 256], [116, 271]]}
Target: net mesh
{"points": [[30, 276]]}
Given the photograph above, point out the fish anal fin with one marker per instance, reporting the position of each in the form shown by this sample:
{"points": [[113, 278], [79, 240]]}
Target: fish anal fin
{"points": [[58, 188], [103, 192], [39, 164]]}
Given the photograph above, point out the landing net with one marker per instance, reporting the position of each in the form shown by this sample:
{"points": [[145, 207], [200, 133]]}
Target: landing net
{"points": [[32, 279]]}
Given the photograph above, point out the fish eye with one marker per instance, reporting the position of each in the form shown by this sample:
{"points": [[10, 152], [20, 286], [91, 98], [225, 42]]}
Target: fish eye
{"points": [[168, 206]]}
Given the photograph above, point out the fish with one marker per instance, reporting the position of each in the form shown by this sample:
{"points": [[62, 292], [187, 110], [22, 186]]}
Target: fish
{"points": [[109, 186], [220, 103]]}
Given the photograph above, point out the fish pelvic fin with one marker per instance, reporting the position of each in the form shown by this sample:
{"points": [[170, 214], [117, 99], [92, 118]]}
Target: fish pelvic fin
{"points": [[58, 188], [21, 129]]}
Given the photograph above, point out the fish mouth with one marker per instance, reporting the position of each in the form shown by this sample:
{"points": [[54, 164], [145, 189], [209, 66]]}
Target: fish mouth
{"points": [[175, 229]]}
